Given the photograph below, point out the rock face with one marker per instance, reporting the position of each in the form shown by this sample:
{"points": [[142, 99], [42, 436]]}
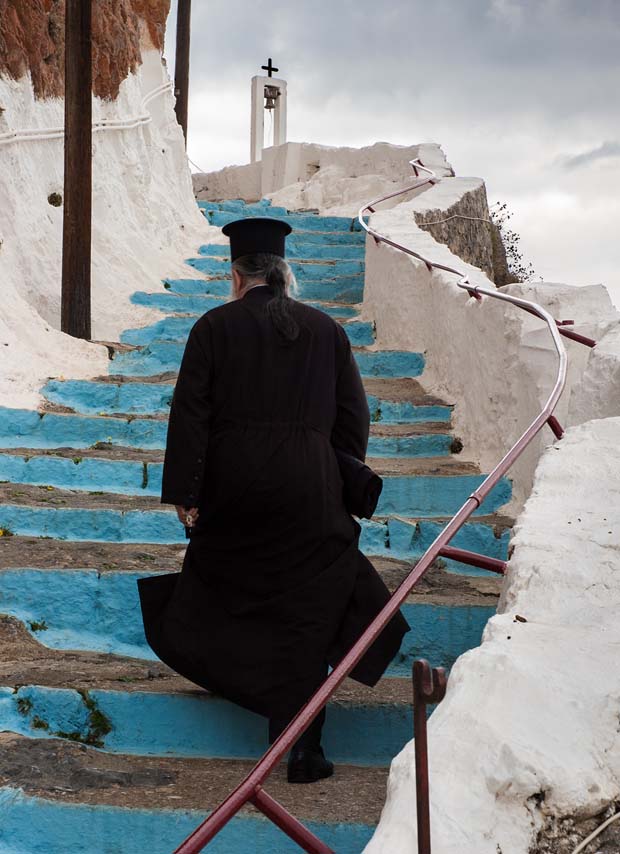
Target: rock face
{"points": [[465, 228], [32, 40]]}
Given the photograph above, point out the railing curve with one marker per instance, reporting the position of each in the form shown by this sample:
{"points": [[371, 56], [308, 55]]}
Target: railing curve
{"points": [[250, 790], [144, 118]]}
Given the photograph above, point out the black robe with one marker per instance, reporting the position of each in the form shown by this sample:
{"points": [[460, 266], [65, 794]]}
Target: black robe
{"points": [[273, 585]]}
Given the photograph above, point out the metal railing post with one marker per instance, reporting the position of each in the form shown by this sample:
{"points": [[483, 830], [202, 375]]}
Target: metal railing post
{"points": [[429, 686]]}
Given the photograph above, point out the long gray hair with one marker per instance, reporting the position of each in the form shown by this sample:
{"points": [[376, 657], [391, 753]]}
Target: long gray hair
{"points": [[276, 272]]}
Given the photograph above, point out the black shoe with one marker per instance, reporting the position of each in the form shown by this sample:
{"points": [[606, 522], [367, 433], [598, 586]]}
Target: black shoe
{"points": [[307, 765]]}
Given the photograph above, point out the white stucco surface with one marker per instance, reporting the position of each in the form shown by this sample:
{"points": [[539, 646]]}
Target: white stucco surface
{"points": [[493, 360], [528, 731], [145, 222], [336, 181], [597, 394]]}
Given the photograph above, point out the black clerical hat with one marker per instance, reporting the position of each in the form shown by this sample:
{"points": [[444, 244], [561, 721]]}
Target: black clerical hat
{"points": [[256, 234]]}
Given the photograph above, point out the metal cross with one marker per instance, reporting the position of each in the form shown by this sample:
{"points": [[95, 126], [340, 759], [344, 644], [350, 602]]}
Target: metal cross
{"points": [[269, 68]]}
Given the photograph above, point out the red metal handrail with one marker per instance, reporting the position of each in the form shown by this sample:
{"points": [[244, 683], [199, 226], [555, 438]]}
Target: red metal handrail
{"points": [[250, 789]]}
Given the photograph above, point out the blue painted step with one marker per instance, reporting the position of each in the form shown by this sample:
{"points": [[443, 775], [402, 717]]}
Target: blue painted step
{"points": [[299, 248], [207, 287], [329, 238], [389, 363], [22, 428], [299, 222], [198, 304], [164, 356], [93, 611], [199, 724], [360, 332], [304, 271], [34, 825], [261, 208], [161, 526], [134, 477], [344, 289], [92, 398], [405, 412], [405, 540]]}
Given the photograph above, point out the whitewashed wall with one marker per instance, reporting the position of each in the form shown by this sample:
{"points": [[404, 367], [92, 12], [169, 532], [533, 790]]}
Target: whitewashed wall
{"points": [[527, 736], [145, 222], [301, 175], [528, 732], [493, 361]]}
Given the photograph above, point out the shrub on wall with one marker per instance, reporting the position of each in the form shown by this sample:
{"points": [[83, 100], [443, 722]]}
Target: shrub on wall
{"points": [[517, 269]]}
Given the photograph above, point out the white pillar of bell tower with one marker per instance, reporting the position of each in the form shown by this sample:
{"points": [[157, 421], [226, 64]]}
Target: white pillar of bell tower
{"points": [[268, 93]]}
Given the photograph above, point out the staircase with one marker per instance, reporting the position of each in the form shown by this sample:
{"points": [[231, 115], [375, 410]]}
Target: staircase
{"points": [[104, 749]]}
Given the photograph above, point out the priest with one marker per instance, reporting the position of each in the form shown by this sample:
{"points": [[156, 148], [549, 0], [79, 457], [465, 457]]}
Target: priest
{"points": [[273, 588]]}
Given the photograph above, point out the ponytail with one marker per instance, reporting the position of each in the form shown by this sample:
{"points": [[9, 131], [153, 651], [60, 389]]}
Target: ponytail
{"points": [[279, 308], [277, 274]]}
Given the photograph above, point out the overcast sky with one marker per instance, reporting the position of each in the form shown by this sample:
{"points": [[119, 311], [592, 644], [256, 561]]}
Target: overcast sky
{"points": [[523, 93]]}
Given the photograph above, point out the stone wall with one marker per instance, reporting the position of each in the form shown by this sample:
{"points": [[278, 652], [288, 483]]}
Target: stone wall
{"points": [[32, 40], [465, 228]]}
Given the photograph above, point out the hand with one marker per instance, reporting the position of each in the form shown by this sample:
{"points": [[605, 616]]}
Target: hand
{"points": [[187, 515]]}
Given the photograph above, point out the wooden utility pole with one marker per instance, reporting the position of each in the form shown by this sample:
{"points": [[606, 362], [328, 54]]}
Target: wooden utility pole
{"points": [[76, 240], [181, 64]]}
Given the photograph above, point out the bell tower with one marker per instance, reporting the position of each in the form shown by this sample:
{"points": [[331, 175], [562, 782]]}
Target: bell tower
{"points": [[268, 96]]}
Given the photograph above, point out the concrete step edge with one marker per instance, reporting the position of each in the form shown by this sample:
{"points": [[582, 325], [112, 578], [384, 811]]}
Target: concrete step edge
{"points": [[43, 496], [27, 662], [128, 453], [437, 587], [128, 781]]}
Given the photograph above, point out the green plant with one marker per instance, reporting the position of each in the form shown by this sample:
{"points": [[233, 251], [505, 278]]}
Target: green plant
{"points": [[456, 445], [24, 705], [520, 269], [99, 725], [38, 626]]}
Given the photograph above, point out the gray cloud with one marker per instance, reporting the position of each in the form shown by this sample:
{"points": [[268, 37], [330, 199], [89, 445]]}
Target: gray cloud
{"points": [[607, 149], [506, 86], [359, 44]]}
